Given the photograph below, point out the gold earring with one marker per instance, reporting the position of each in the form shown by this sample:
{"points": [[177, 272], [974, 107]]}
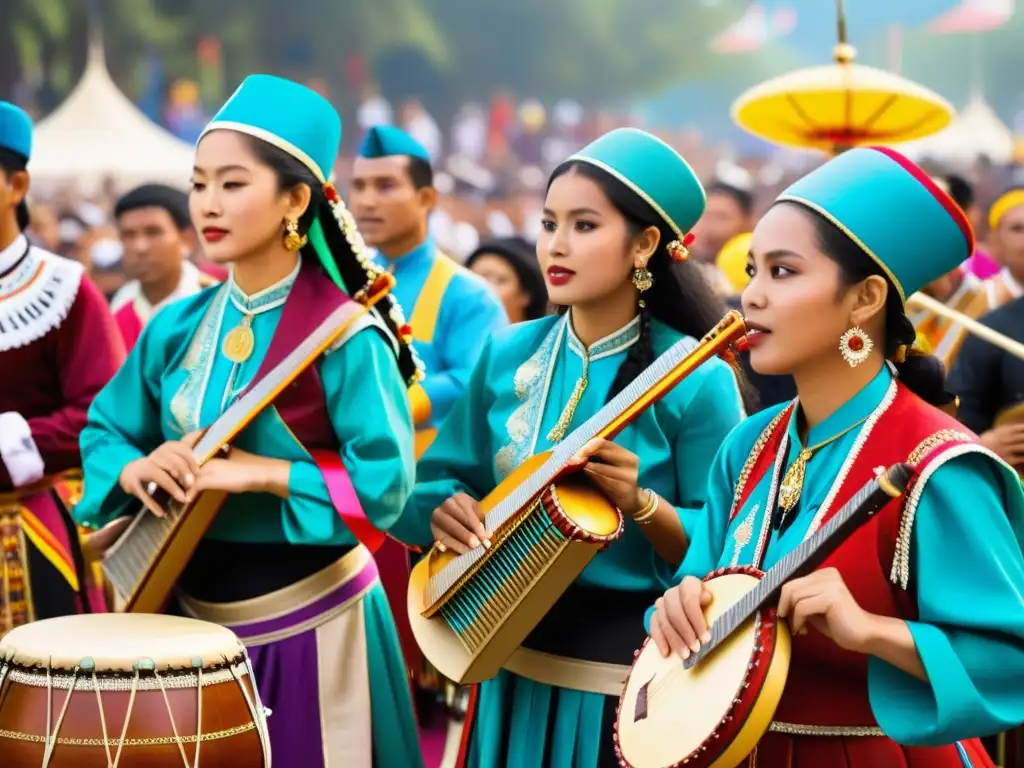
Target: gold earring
{"points": [[292, 239], [642, 279], [855, 346]]}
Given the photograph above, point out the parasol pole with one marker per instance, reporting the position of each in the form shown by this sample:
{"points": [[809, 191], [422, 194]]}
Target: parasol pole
{"points": [[844, 54]]}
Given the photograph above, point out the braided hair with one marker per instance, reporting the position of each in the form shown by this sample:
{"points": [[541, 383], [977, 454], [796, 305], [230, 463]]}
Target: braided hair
{"points": [[344, 242], [680, 295]]}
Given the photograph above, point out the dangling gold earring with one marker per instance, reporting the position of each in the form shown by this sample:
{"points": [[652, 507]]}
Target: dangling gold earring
{"points": [[643, 280], [855, 346], [292, 239]]}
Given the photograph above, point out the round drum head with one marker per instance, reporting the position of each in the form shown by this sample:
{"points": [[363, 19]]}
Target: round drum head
{"points": [[116, 642]]}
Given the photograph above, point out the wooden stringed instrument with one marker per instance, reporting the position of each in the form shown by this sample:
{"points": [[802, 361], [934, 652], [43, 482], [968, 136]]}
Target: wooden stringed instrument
{"points": [[144, 564], [712, 709], [470, 612]]}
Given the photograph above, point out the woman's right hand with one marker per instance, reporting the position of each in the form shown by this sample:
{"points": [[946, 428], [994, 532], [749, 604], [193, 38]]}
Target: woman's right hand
{"points": [[678, 623], [456, 525], [172, 466]]}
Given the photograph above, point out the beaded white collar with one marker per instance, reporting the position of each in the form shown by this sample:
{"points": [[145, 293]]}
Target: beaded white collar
{"points": [[36, 294]]}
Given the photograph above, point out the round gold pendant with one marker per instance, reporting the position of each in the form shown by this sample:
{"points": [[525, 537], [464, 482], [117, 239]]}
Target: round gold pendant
{"points": [[238, 344]]}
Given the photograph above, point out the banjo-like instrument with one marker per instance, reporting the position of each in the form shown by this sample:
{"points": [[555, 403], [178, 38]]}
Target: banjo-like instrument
{"points": [[712, 709]]}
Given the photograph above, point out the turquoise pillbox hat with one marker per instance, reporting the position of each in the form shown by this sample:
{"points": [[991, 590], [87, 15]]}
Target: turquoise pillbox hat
{"points": [[296, 120], [892, 210], [287, 115], [654, 171], [388, 141], [15, 129]]}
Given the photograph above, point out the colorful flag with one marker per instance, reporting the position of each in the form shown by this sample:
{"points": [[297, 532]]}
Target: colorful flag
{"points": [[755, 28], [973, 16], [747, 34]]}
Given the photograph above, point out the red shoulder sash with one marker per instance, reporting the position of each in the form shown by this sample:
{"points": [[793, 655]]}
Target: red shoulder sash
{"points": [[903, 428]]}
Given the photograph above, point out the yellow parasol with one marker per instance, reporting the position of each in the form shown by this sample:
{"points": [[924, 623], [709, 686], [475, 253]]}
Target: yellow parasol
{"points": [[842, 105]]}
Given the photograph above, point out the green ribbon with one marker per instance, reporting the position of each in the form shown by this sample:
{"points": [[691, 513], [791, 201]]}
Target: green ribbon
{"points": [[323, 252]]}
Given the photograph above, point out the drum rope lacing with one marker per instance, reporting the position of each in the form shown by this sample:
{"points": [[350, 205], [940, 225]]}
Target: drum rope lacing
{"points": [[256, 708], [256, 716]]}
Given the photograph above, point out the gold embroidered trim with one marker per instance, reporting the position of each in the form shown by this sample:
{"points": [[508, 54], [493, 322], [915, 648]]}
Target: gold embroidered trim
{"points": [[755, 454], [640, 192], [900, 572], [271, 138], [934, 441], [155, 741], [795, 729], [850, 234]]}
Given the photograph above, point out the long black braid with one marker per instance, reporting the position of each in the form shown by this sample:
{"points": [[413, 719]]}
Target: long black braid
{"points": [[290, 173]]}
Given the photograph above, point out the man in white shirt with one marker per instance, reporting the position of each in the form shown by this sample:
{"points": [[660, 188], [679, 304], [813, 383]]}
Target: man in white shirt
{"points": [[157, 237]]}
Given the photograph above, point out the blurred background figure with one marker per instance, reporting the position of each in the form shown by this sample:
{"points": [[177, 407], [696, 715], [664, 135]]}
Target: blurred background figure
{"points": [[510, 265]]}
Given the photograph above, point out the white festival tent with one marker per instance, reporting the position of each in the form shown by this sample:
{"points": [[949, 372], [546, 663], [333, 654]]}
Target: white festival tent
{"points": [[97, 133], [976, 132]]}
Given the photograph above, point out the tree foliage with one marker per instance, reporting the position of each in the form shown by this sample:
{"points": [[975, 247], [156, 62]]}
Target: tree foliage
{"points": [[592, 50]]}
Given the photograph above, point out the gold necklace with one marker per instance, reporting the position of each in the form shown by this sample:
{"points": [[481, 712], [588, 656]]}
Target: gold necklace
{"points": [[793, 481], [562, 425], [240, 341]]}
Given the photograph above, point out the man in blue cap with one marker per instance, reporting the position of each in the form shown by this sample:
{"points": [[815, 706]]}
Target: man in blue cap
{"points": [[451, 311], [58, 347]]}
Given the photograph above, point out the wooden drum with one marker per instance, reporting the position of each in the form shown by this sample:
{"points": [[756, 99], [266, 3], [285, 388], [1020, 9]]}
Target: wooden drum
{"points": [[127, 690]]}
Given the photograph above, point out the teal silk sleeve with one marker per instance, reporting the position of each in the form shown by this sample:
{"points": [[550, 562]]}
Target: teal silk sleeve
{"points": [[969, 576], [707, 534], [369, 411], [123, 425], [459, 459], [470, 315], [710, 416]]}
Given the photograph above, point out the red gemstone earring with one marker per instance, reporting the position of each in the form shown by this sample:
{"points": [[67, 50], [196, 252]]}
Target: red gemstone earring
{"points": [[855, 346]]}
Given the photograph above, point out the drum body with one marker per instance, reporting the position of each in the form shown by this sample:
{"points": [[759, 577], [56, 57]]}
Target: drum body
{"points": [[128, 690]]}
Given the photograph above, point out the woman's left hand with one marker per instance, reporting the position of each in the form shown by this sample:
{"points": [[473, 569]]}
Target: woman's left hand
{"points": [[615, 472], [240, 472], [823, 601]]}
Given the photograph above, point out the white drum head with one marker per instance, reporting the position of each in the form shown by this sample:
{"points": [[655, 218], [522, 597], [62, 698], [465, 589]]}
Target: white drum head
{"points": [[116, 642]]}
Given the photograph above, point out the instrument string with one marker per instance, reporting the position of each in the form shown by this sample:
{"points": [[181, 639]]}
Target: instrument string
{"points": [[675, 363], [750, 604]]}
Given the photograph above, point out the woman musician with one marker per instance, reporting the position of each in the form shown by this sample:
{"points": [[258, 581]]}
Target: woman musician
{"points": [[281, 565], [615, 218], [909, 641]]}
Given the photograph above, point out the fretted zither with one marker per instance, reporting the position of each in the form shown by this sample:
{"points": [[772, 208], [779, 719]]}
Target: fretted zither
{"points": [[143, 566], [470, 612]]}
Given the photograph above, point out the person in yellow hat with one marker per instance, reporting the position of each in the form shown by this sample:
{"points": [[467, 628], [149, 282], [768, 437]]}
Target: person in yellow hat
{"points": [[732, 261], [1006, 222]]}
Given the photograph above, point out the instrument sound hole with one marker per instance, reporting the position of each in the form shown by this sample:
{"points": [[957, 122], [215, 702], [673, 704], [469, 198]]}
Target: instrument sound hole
{"points": [[640, 711]]}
